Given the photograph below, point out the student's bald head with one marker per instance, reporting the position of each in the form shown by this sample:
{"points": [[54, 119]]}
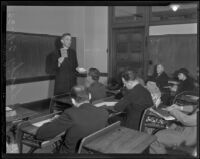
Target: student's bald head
{"points": [[80, 93]]}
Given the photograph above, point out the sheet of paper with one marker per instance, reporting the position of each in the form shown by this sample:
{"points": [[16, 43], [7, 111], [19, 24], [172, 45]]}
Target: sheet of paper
{"points": [[162, 116], [105, 103], [173, 82], [169, 118], [193, 97], [8, 109], [38, 124]]}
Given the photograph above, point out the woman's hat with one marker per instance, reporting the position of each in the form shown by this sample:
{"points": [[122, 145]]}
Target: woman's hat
{"points": [[183, 71]]}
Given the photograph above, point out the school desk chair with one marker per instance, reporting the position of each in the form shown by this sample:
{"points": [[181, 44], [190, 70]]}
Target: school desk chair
{"points": [[26, 132], [96, 134]]}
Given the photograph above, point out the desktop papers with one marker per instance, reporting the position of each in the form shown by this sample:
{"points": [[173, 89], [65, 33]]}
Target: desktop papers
{"points": [[166, 117], [193, 97], [38, 124], [105, 103], [8, 109]]}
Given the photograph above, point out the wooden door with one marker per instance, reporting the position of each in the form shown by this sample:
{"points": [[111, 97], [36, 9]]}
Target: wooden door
{"points": [[128, 50]]}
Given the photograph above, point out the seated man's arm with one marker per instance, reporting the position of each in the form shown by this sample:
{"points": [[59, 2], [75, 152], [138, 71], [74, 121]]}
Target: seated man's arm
{"points": [[51, 129], [118, 107], [187, 109], [187, 120], [122, 104]]}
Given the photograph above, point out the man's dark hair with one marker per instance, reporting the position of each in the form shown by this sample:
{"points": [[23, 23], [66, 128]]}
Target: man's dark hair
{"points": [[129, 75], [94, 73], [65, 34], [80, 93]]}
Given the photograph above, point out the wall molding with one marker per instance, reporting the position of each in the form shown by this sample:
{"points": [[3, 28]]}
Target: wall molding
{"points": [[42, 78], [39, 105]]}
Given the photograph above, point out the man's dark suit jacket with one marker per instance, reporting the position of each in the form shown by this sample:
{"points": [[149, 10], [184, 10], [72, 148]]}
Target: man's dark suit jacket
{"points": [[186, 85], [97, 90], [77, 122], [65, 75], [134, 103], [162, 81]]}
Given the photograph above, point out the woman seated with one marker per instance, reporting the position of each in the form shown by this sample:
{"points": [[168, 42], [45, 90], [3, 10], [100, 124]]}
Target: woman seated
{"points": [[96, 88], [186, 83], [184, 133]]}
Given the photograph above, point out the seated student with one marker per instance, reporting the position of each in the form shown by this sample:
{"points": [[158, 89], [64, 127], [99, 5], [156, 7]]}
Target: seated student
{"points": [[161, 77], [97, 89], [186, 82], [78, 121], [176, 135], [136, 99]]}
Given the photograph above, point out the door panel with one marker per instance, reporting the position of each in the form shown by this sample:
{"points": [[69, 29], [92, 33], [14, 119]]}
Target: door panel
{"points": [[128, 50]]}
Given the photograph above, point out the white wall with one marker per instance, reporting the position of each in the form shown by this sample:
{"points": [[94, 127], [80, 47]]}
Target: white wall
{"points": [[55, 20], [95, 42], [96, 26], [173, 29]]}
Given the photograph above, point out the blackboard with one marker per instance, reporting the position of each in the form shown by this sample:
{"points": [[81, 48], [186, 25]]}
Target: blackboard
{"points": [[174, 52], [26, 54]]}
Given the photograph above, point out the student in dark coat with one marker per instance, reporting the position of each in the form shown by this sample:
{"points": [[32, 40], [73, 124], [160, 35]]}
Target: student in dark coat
{"points": [[135, 101], [78, 121], [186, 82], [96, 88], [64, 63]]}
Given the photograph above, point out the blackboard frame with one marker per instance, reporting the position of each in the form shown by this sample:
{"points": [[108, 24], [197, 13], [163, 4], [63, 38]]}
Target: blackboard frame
{"points": [[36, 78]]}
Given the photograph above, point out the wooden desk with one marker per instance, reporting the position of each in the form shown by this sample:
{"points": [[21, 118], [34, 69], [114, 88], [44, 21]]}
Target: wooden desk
{"points": [[189, 99], [21, 113], [121, 140], [109, 99], [63, 101], [27, 131], [60, 102]]}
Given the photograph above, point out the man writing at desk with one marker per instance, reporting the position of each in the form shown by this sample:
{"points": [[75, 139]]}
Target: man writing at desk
{"points": [[176, 135], [78, 121], [136, 99]]}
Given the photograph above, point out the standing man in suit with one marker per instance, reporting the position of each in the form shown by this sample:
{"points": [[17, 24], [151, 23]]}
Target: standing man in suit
{"points": [[78, 121], [63, 63]]}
